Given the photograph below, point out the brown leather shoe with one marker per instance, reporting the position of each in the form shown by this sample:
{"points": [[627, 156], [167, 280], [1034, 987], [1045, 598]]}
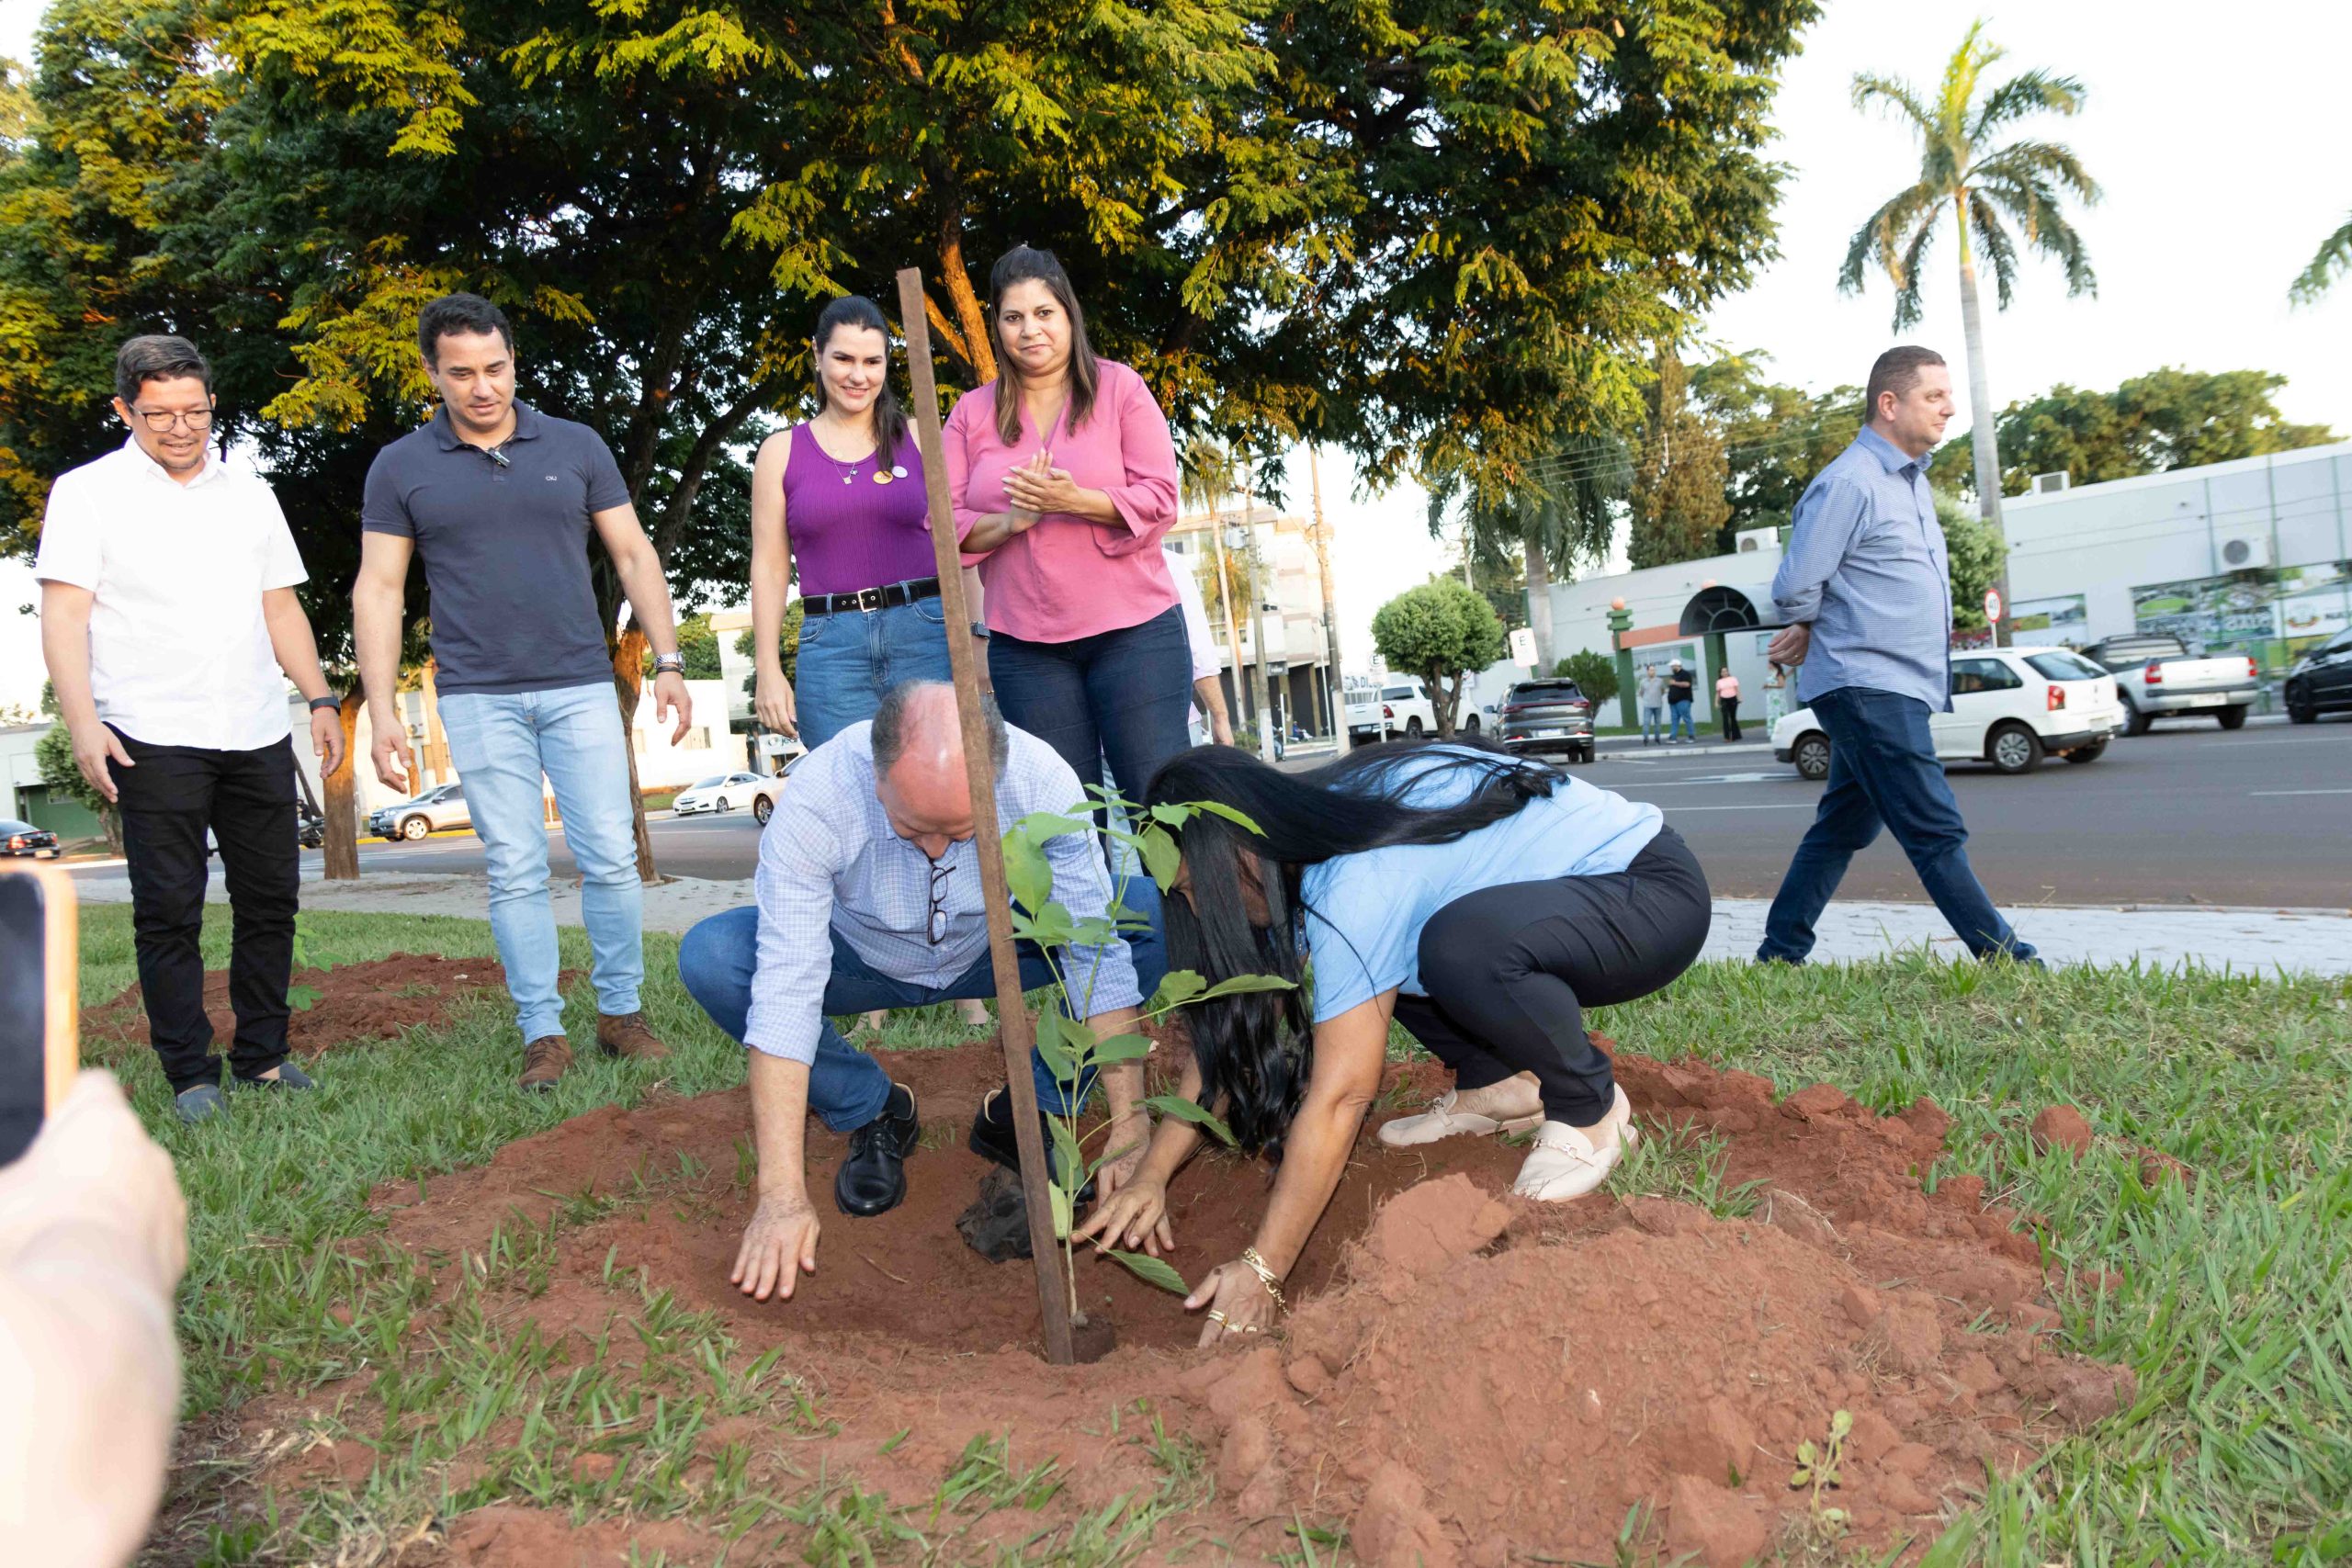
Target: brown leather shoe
{"points": [[545, 1061], [625, 1035]]}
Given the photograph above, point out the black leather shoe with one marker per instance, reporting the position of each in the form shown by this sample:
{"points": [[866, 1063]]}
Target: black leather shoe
{"points": [[873, 1179], [993, 1137]]}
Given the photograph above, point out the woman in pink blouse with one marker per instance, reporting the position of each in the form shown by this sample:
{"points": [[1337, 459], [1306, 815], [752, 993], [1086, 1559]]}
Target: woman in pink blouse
{"points": [[1064, 479]]}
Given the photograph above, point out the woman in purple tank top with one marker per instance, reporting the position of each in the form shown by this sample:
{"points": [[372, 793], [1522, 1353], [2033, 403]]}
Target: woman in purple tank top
{"points": [[844, 493]]}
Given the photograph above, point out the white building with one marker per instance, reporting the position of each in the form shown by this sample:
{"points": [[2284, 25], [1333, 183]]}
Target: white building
{"points": [[1290, 582]]}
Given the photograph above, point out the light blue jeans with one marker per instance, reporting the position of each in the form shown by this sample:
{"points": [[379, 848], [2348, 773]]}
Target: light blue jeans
{"points": [[503, 743], [1681, 722], [1652, 722]]}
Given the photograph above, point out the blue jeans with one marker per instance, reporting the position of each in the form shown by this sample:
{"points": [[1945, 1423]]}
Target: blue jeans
{"points": [[846, 1086], [849, 659], [1653, 723], [1118, 697], [1681, 724], [503, 743], [1882, 771]]}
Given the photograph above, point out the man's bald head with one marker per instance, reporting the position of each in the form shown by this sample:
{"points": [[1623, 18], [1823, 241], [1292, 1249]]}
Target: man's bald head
{"points": [[918, 773]]}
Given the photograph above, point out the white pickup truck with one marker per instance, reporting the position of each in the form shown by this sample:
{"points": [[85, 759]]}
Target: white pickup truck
{"points": [[2156, 679], [1396, 705]]}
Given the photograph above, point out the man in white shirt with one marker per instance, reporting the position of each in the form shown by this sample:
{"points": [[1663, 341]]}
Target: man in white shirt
{"points": [[1208, 718], [168, 613]]}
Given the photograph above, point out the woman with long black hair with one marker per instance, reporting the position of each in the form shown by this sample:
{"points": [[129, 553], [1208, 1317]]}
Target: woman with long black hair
{"points": [[1481, 900]]}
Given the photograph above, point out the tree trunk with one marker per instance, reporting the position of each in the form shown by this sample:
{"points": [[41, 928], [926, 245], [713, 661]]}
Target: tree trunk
{"points": [[341, 850], [1224, 601], [628, 678], [1983, 438], [971, 316], [1539, 591], [1448, 695], [1257, 621], [1330, 615]]}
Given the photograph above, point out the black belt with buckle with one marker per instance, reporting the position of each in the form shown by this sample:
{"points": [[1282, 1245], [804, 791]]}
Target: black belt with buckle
{"points": [[887, 597]]}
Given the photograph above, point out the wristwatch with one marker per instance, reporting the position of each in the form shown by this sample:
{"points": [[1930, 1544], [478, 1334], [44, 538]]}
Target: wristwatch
{"points": [[668, 664], [981, 629], [318, 702]]}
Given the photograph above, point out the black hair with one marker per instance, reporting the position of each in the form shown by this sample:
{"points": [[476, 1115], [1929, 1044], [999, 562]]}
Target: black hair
{"points": [[157, 357], [889, 419], [465, 315], [1024, 263], [1256, 1050]]}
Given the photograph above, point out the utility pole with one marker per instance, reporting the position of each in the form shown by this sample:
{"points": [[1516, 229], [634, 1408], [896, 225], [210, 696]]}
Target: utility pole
{"points": [[1330, 617], [1257, 614], [1224, 589]]}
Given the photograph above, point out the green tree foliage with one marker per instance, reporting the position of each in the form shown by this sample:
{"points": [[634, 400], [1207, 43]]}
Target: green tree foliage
{"points": [[1977, 552], [699, 645], [2167, 419], [1989, 186], [1594, 673], [53, 755], [1679, 479], [1442, 632], [1776, 438], [2330, 261], [787, 645]]}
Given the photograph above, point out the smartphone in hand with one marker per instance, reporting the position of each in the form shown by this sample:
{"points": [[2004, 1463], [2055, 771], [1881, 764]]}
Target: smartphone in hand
{"points": [[39, 1000]]}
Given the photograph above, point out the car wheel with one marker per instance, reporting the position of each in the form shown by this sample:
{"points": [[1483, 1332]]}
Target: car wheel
{"points": [[2134, 721], [720, 806], [1585, 752], [762, 810], [2014, 749], [1413, 728], [1811, 754], [2089, 753], [415, 828], [1470, 725], [2232, 717], [2302, 714]]}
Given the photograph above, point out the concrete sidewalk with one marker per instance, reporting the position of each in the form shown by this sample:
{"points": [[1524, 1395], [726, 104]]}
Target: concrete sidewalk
{"points": [[2258, 941]]}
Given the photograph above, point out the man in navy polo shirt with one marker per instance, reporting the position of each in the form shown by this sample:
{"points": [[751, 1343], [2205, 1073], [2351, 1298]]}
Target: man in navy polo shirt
{"points": [[499, 500]]}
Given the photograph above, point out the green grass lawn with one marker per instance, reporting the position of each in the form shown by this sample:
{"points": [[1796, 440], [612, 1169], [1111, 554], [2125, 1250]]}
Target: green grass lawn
{"points": [[2235, 1309]]}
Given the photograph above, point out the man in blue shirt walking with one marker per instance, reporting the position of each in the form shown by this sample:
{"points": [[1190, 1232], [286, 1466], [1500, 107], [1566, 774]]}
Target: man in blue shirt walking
{"points": [[1865, 589]]}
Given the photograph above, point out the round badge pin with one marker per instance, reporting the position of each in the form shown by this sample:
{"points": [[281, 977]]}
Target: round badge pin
{"points": [[898, 470], [881, 477]]}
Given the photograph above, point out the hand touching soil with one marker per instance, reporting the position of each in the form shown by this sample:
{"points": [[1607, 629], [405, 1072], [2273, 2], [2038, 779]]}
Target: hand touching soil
{"points": [[1128, 1139], [1135, 1215], [779, 1246], [1234, 1293]]}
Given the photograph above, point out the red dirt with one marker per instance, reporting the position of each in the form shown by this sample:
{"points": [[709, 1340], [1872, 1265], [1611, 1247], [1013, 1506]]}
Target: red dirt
{"points": [[2061, 1127], [1467, 1377], [382, 999]]}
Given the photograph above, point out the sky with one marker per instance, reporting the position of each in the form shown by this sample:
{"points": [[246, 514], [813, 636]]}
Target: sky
{"points": [[2216, 135]]}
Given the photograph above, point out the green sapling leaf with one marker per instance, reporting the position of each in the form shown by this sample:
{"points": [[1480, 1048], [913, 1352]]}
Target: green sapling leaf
{"points": [[1184, 1110], [1152, 1271]]}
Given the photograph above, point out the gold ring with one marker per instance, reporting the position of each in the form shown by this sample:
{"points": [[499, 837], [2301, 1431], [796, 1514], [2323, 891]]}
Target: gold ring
{"points": [[1251, 1328], [1215, 1316]]}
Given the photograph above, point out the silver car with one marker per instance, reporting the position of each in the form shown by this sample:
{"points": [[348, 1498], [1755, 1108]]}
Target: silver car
{"points": [[444, 805]]}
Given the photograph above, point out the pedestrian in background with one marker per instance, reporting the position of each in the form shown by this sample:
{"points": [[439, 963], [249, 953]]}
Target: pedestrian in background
{"points": [[168, 613], [1865, 589], [1727, 703], [1649, 687], [499, 501], [1776, 695], [1680, 688], [1209, 721]]}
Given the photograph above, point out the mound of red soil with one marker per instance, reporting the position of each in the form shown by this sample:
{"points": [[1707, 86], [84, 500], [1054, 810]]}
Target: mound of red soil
{"points": [[1467, 1377], [382, 999]]}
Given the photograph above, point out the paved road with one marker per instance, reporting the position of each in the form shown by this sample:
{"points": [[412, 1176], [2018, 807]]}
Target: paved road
{"points": [[2261, 818]]}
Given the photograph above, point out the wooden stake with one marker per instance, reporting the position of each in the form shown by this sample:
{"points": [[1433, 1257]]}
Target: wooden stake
{"points": [[1012, 1011]]}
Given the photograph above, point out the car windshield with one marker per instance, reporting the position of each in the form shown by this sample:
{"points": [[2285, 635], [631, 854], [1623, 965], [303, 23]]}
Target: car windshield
{"points": [[2060, 665], [1545, 691], [11, 826], [714, 779], [1395, 694]]}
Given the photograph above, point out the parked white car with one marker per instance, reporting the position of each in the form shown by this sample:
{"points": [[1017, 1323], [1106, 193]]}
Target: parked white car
{"points": [[720, 793], [2010, 706], [1400, 706]]}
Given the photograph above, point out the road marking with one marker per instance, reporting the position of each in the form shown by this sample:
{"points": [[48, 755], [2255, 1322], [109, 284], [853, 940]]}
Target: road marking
{"points": [[2274, 794]]}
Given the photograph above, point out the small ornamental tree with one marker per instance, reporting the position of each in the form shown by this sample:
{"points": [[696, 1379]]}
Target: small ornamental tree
{"points": [[1444, 633], [1594, 673]]}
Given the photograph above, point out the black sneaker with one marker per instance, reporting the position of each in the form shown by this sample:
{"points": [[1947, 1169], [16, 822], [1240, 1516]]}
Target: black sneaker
{"points": [[289, 1077], [992, 1136], [873, 1179]]}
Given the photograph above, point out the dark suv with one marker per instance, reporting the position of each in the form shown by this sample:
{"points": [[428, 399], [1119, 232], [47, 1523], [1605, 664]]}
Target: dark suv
{"points": [[2321, 680], [1547, 716]]}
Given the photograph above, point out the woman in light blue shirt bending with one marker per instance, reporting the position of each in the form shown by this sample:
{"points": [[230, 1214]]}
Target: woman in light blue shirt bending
{"points": [[1481, 900]]}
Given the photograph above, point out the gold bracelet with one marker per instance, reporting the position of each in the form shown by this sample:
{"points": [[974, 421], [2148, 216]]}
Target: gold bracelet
{"points": [[1266, 1277]]}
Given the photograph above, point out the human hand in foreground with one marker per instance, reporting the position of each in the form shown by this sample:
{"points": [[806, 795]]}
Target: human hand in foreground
{"points": [[1032, 490], [1790, 645], [395, 764], [1240, 1307], [1124, 1146], [1135, 1215], [95, 746], [779, 1246], [772, 700], [95, 1176], [326, 739], [670, 695]]}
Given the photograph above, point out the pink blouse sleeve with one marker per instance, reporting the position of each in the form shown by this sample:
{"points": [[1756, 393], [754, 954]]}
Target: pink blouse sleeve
{"points": [[1147, 502], [954, 440]]}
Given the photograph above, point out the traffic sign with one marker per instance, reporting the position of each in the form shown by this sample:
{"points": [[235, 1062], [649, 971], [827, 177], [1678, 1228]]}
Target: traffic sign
{"points": [[1992, 605], [1522, 647]]}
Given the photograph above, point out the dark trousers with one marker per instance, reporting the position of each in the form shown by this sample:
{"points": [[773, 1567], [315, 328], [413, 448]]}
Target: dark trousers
{"points": [[1884, 774], [1730, 707], [170, 796], [1509, 971], [1119, 697]]}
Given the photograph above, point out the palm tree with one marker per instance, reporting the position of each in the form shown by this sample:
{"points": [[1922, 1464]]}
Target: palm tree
{"points": [[2333, 260], [1986, 186], [1555, 514]]}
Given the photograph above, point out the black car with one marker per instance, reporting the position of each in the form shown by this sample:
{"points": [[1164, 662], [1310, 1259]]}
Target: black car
{"points": [[2321, 680], [1548, 716], [21, 840]]}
